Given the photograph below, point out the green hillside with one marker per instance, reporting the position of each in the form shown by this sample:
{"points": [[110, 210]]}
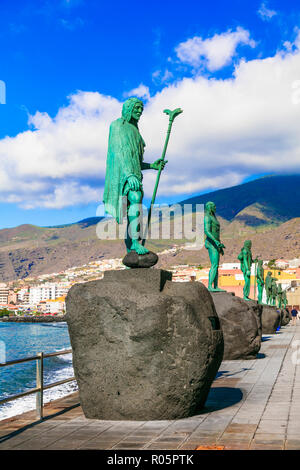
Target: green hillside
{"points": [[266, 210], [276, 197]]}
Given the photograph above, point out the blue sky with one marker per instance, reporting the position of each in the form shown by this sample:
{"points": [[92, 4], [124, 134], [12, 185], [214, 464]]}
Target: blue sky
{"points": [[100, 52]]}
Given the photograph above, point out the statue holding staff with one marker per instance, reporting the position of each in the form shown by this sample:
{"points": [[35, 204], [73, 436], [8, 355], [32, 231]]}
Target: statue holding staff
{"points": [[124, 172], [245, 257], [260, 280], [279, 295], [284, 298], [213, 245], [124, 177], [274, 291], [268, 284]]}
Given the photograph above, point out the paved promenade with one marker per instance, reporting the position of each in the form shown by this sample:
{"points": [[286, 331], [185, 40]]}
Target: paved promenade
{"points": [[252, 405]]}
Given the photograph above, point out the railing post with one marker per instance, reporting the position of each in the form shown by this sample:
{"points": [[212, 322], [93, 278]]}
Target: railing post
{"points": [[40, 385]]}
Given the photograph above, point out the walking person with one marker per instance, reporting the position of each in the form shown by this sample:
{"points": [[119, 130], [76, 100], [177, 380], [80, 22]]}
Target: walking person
{"points": [[294, 314]]}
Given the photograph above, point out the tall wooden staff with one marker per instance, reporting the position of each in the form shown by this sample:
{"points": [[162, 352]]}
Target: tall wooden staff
{"points": [[172, 116]]}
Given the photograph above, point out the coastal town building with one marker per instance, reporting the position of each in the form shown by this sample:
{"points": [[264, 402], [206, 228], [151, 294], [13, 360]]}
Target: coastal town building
{"points": [[55, 306], [4, 291], [46, 293], [293, 294]]}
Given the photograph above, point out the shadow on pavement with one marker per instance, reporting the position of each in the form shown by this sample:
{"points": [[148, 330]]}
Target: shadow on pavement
{"points": [[225, 373], [260, 356], [222, 397], [266, 338]]}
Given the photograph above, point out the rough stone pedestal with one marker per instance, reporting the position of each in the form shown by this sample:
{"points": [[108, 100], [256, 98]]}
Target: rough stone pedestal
{"points": [[144, 347], [270, 320], [241, 325], [285, 316]]}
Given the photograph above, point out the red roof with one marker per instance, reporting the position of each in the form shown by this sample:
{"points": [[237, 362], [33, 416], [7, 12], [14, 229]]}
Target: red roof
{"points": [[229, 271], [11, 307]]}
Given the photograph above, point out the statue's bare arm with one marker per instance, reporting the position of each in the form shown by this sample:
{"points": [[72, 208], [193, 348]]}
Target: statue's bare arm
{"points": [[154, 166]]}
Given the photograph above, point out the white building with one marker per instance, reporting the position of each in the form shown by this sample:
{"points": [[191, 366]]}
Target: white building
{"points": [[282, 263], [230, 266], [4, 291], [55, 306], [295, 263], [23, 295], [48, 291]]}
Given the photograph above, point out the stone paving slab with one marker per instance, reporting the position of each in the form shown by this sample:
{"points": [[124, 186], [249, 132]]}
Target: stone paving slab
{"points": [[252, 404]]}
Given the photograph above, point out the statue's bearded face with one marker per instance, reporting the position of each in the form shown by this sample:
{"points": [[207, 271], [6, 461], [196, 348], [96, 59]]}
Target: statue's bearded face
{"points": [[210, 207], [137, 111], [213, 208]]}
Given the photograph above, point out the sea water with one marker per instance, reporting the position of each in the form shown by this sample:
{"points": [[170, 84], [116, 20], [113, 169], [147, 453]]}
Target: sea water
{"points": [[19, 340]]}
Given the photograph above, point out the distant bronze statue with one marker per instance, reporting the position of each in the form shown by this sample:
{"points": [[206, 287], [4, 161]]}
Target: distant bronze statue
{"points": [[245, 257], [284, 298], [268, 285], [213, 245], [273, 292], [260, 281], [279, 295]]}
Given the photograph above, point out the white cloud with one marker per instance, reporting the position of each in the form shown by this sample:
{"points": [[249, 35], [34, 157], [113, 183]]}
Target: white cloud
{"points": [[230, 129], [142, 91], [215, 52], [64, 194], [58, 153], [162, 77], [265, 13]]}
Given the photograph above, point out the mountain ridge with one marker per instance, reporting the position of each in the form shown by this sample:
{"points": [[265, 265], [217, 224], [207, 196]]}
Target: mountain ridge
{"points": [[277, 193], [29, 250]]}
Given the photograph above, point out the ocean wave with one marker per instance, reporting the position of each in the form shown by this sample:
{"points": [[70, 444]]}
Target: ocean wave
{"points": [[28, 403]]}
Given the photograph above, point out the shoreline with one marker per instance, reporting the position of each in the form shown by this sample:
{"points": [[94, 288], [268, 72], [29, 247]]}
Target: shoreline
{"points": [[57, 404], [37, 319]]}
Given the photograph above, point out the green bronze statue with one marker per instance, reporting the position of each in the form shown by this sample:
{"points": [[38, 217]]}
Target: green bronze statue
{"points": [[213, 245], [245, 257], [279, 295], [124, 172], [268, 284], [260, 281], [273, 292], [284, 298]]}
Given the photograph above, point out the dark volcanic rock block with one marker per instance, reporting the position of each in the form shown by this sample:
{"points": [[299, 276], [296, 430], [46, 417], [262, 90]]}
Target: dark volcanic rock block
{"points": [[133, 260], [285, 316], [270, 319], [241, 324], [144, 347]]}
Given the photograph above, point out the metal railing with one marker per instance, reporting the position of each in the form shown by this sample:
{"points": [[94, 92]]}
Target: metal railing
{"points": [[40, 387]]}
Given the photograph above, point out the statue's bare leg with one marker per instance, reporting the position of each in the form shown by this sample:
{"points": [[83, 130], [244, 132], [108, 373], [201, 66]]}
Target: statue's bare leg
{"points": [[246, 290], [133, 230], [214, 257]]}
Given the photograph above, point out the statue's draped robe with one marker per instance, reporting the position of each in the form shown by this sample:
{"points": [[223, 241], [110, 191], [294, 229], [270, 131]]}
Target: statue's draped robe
{"points": [[124, 159], [268, 283], [260, 276]]}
